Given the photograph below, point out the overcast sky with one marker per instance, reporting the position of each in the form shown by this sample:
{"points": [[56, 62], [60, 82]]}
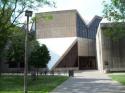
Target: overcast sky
{"points": [[87, 8]]}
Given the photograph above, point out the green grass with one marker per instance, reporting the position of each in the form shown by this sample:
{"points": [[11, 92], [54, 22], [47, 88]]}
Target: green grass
{"points": [[44, 84], [119, 78]]}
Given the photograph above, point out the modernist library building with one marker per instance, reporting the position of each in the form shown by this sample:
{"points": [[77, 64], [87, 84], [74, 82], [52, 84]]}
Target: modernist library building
{"points": [[75, 45], [70, 40]]}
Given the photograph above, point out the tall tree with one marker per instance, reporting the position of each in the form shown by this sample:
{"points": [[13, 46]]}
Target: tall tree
{"points": [[15, 50], [115, 12], [10, 12], [40, 57]]}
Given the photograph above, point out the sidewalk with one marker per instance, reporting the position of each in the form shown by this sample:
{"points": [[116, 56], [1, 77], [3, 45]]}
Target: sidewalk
{"points": [[90, 82]]}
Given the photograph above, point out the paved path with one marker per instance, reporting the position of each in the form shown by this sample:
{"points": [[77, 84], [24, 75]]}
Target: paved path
{"points": [[90, 82]]}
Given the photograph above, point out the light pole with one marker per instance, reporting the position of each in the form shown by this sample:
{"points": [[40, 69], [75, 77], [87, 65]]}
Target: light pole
{"points": [[27, 14]]}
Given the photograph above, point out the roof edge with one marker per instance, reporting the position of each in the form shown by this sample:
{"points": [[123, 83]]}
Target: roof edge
{"points": [[74, 10], [96, 16], [106, 25]]}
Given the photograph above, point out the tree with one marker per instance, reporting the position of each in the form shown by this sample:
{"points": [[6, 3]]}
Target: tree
{"points": [[15, 46], [15, 52], [39, 58], [115, 12], [10, 12]]}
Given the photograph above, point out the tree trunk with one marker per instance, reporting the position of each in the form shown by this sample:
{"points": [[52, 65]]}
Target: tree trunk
{"points": [[37, 69], [0, 67]]}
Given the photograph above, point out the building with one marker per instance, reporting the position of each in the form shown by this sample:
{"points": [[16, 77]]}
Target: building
{"points": [[110, 53], [75, 45], [71, 42]]}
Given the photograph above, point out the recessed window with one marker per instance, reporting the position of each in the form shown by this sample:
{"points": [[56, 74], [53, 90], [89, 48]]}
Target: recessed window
{"points": [[13, 65], [22, 65]]}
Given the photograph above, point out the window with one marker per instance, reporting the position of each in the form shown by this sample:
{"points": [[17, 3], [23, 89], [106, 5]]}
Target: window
{"points": [[13, 65], [22, 65]]}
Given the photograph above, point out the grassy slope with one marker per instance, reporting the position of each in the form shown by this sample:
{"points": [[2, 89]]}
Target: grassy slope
{"points": [[119, 78], [44, 84]]}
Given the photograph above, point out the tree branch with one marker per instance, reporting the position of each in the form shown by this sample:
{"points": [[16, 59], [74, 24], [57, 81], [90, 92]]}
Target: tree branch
{"points": [[23, 8], [2, 13]]}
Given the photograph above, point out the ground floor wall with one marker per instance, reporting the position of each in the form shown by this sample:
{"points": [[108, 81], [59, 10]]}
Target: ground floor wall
{"points": [[87, 63], [83, 63], [87, 54], [110, 53], [81, 56], [70, 60], [11, 67]]}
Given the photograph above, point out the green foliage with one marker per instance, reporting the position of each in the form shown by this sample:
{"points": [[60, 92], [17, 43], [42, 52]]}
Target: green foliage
{"points": [[45, 16], [15, 51], [40, 57], [16, 43], [115, 32], [10, 12], [115, 12]]}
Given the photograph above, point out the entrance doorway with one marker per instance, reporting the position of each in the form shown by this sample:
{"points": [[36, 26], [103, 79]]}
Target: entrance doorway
{"points": [[87, 63]]}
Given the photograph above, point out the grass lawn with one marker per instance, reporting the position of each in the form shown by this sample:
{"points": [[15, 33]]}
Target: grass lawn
{"points": [[44, 84], [120, 78]]}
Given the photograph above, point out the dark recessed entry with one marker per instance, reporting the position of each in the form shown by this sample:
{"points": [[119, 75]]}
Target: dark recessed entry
{"points": [[87, 63]]}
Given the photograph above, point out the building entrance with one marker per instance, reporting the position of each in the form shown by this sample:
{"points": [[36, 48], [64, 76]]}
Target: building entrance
{"points": [[87, 63]]}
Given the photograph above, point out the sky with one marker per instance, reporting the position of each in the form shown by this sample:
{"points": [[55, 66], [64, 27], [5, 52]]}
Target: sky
{"points": [[87, 8]]}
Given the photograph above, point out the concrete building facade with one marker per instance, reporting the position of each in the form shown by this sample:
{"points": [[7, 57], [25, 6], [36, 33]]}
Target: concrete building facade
{"points": [[110, 53], [69, 24], [70, 40], [75, 45]]}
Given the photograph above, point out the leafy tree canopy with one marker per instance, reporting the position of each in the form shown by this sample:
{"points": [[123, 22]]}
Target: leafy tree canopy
{"points": [[115, 12], [16, 43], [10, 12], [40, 57]]}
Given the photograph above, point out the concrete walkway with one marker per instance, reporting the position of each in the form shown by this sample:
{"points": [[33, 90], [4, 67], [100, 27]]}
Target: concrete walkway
{"points": [[90, 82]]}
